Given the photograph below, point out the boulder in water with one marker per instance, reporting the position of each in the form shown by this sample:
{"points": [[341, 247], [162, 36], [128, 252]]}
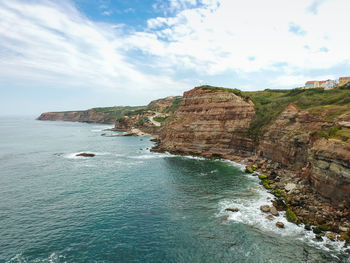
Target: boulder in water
{"points": [[85, 154], [280, 224], [265, 208], [274, 211], [232, 209], [270, 217]]}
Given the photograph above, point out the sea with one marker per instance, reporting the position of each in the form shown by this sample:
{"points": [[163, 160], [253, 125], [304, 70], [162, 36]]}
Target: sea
{"points": [[128, 204]]}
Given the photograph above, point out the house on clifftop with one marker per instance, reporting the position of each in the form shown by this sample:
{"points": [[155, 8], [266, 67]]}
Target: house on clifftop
{"points": [[326, 84], [312, 84]]}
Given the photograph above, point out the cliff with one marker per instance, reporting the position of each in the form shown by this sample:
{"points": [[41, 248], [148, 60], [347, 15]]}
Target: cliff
{"points": [[76, 116], [210, 123]]}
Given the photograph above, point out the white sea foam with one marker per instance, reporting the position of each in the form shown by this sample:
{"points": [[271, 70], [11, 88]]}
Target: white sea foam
{"points": [[193, 157], [52, 258], [150, 156], [100, 128], [97, 130], [17, 258], [235, 164], [250, 214]]}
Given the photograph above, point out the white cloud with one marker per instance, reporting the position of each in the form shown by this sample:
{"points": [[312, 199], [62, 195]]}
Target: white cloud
{"points": [[221, 36], [107, 13], [55, 45]]}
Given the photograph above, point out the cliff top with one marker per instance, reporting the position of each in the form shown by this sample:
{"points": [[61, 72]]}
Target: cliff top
{"points": [[234, 91], [269, 104]]}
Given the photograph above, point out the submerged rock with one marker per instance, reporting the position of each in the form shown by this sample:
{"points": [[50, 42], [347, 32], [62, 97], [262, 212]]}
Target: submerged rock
{"points": [[316, 230], [270, 217], [307, 227], [331, 236], [249, 170], [85, 154], [274, 211], [319, 237], [232, 209], [280, 224]]}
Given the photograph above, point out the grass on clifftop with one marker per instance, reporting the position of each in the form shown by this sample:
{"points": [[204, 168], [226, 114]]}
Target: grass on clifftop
{"points": [[234, 91], [173, 107], [113, 113], [119, 112], [269, 104]]}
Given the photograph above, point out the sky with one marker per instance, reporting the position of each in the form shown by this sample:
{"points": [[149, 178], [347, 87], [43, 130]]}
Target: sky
{"points": [[79, 54]]}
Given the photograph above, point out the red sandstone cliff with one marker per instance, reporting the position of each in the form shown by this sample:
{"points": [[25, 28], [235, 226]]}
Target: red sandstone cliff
{"points": [[211, 123], [293, 142]]}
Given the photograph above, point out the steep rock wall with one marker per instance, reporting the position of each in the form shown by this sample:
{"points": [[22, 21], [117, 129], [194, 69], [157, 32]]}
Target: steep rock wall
{"points": [[293, 142], [288, 138], [210, 123], [330, 169]]}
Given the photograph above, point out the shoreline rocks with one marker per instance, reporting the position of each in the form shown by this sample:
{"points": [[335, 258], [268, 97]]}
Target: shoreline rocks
{"points": [[265, 208], [232, 209], [279, 224]]}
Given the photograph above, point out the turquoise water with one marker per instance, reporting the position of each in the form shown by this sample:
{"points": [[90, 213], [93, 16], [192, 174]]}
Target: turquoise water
{"points": [[130, 205]]}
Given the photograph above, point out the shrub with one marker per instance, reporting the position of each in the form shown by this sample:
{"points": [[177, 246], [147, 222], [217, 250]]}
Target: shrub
{"points": [[291, 217]]}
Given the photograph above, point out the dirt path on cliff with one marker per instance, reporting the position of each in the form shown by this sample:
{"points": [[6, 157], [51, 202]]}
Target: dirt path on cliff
{"points": [[155, 123]]}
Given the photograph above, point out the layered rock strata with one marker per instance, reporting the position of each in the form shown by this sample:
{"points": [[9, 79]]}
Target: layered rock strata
{"points": [[209, 123], [292, 142]]}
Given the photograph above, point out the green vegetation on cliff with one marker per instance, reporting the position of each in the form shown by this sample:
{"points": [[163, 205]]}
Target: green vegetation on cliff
{"points": [[270, 103], [234, 91], [117, 112], [174, 106]]}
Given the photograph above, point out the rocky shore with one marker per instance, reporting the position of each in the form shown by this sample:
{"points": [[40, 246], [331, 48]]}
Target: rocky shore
{"points": [[307, 173], [301, 202]]}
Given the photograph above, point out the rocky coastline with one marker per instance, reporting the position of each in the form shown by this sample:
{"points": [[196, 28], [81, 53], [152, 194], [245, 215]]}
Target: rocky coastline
{"points": [[301, 153], [307, 173]]}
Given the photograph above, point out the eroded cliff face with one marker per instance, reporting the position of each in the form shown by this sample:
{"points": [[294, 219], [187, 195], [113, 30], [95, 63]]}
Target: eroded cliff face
{"points": [[89, 116], [287, 140], [293, 142], [330, 169], [209, 123]]}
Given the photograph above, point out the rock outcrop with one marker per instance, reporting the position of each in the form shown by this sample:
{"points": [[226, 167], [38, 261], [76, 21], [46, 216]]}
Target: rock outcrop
{"points": [[209, 123], [330, 169], [162, 104]]}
